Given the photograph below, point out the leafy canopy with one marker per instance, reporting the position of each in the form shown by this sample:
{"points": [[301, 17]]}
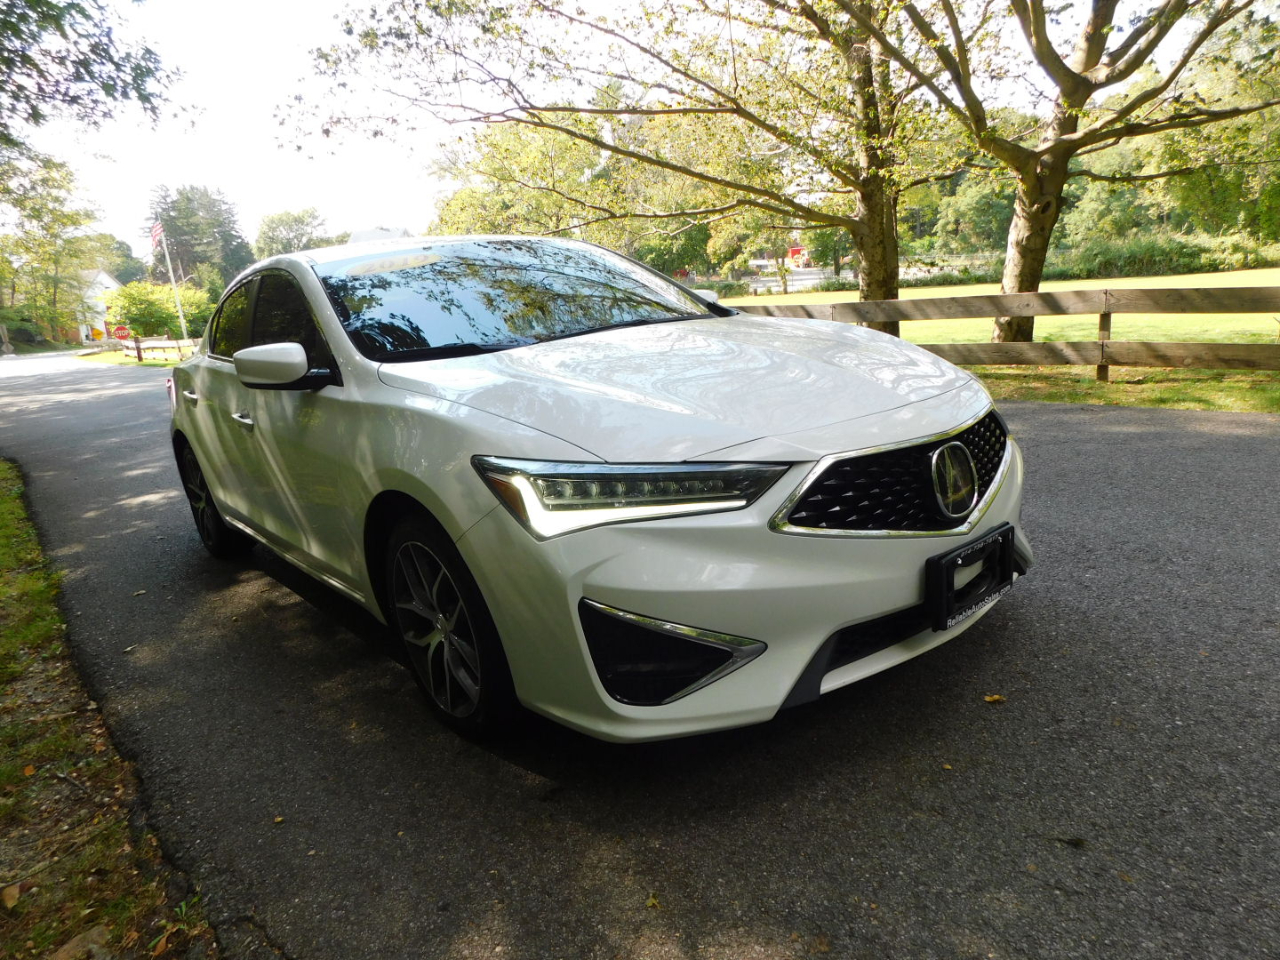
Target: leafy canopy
{"points": [[64, 57]]}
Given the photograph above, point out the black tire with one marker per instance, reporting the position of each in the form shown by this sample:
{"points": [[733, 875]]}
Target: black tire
{"points": [[222, 541], [435, 607]]}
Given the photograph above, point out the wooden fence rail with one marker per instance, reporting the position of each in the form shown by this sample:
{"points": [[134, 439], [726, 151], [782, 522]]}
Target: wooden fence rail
{"points": [[162, 348], [1102, 353]]}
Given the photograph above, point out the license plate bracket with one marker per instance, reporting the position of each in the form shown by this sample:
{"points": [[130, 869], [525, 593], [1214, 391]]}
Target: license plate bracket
{"points": [[950, 605]]}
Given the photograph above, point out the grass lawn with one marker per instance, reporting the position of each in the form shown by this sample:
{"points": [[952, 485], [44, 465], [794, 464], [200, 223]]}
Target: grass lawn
{"points": [[126, 358], [1243, 391], [72, 867], [1254, 391]]}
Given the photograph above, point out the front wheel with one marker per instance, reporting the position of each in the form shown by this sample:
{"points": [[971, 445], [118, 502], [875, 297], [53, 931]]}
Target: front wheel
{"points": [[453, 647], [219, 539]]}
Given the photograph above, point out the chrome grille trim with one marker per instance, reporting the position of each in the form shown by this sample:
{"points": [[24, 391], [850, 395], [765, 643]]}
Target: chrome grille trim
{"points": [[779, 523]]}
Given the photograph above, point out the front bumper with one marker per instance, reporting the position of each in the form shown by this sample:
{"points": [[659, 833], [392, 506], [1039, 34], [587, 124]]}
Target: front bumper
{"points": [[728, 573]]}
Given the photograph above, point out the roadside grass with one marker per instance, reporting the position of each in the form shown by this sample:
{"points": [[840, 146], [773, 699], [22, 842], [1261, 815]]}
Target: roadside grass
{"points": [[1247, 391], [124, 358], [1251, 391], [74, 870]]}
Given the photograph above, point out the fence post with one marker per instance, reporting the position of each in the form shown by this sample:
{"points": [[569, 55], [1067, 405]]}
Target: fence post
{"points": [[137, 346], [1104, 334]]}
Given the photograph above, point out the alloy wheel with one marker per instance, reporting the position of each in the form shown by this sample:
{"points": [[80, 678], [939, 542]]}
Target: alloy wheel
{"points": [[197, 489], [437, 630]]}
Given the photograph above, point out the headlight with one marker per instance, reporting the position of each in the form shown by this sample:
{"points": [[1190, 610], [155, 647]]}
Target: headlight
{"points": [[554, 498]]}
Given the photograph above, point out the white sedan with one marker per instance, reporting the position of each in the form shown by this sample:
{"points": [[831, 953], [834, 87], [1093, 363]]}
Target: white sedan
{"points": [[568, 482]]}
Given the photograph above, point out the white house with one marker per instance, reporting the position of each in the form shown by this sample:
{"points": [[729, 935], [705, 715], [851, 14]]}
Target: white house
{"points": [[95, 315]]}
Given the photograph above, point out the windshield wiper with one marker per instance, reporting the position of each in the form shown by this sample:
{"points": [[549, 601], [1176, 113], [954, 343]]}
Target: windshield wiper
{"points": [[629, 323], [445, 350]]}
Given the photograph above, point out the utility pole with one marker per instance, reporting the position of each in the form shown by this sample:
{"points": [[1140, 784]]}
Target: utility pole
{"points": [[157, 234]]}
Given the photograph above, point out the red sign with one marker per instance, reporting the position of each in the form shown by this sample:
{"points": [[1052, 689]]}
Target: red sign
{"points": [[120, 333]]}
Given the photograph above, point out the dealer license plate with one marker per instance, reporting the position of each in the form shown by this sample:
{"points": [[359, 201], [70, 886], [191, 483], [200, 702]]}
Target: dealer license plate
{"points": [[954, 591]]}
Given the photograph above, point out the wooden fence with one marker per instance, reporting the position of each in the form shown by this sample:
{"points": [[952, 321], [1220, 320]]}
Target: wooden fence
{"points": [[1102, 353], [163, 348]]}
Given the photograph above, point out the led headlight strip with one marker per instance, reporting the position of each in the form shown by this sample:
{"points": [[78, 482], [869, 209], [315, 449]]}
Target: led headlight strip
{"points": [[552, 498]]}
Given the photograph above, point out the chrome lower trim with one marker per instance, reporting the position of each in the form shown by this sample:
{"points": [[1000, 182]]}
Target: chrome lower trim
{"points": [[778, 522], [742, 649], [302, 565]]}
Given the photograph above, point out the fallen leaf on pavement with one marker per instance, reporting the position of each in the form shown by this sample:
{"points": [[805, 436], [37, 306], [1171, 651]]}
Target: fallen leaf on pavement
{"points": [[138, 593], [993, 698], [652, 903]]}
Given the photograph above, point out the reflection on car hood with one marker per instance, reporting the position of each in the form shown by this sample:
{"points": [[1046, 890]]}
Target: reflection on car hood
{"points": [[680, 390]]}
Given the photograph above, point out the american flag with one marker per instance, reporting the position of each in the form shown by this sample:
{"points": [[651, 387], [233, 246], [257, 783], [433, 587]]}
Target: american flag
{"points": [[157, 234]]}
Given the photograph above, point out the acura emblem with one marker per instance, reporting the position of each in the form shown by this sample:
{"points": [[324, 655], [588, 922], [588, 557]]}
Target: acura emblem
{"points": [[955, 480]]}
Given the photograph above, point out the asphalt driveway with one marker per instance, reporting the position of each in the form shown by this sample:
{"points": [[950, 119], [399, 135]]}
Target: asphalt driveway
{"points": [[1122, 801]]}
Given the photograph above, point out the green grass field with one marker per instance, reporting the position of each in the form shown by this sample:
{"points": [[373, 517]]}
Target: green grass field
{"points": [[1251, 391]]}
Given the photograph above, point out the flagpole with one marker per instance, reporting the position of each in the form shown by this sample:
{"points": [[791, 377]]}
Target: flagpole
{"points": [[177, 300]]}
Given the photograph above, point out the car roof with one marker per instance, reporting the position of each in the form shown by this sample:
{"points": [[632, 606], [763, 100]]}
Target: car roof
{"points": [[325, 255]]}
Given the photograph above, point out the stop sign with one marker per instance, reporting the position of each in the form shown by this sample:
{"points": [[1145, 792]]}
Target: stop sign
{"points": [[121, 333]]}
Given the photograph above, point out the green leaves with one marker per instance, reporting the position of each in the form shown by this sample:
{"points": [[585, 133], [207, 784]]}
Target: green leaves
{"points": [[148, 308], [65, 57]]}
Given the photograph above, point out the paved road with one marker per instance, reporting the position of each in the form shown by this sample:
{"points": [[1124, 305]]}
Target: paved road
{"points": [[1122, 802]]}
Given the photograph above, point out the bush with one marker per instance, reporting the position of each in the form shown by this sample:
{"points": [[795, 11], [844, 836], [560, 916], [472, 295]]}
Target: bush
{"points": [[952, 278], [1159, 254], [148, 308], [839, 283], [726, 288]]}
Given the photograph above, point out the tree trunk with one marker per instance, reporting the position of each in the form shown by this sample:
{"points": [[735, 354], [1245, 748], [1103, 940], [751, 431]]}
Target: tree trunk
{"points": [[876, 245], [780, 263], [876, 237], [1036, 209]]}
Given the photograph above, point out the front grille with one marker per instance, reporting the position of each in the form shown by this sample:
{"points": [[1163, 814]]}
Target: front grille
{"points": [[893, 490]]}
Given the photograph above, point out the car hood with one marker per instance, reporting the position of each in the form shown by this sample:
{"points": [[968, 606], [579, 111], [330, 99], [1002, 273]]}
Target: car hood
{"points": [[680, 390]]}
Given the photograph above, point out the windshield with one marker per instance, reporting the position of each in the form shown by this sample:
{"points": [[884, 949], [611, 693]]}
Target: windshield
{"points": [[491, 294]]}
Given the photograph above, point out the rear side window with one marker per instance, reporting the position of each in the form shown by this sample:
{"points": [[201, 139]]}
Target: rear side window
{"points": [[282, 315], [231, 325]]}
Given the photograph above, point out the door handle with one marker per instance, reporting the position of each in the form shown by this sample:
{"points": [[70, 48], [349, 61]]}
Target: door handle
{"points": [[243, 419], [191, 395]]}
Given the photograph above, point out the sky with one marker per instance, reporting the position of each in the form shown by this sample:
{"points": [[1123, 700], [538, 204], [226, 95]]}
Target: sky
{"points": [[240, 59]]}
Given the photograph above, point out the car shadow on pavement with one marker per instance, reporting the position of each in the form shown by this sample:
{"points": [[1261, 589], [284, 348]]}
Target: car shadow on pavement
{"points": [[844, 731]]}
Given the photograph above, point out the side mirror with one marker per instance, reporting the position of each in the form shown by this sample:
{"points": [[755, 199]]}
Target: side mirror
{"points": [[279, 366], [708, 295]]}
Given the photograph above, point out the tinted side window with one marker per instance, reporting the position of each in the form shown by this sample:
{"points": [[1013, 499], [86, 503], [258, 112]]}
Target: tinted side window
{"points": [[231, 326], [282, 315]]}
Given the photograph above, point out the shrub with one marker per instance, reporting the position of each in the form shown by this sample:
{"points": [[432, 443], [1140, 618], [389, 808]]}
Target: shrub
{"points": [[726, 288], [952, 278], [839, 283], [1159, 254]]}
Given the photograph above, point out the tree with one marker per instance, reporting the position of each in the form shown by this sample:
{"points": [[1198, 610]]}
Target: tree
{"points": [[118, 260], [828, 247], [787, 110], [47, 259], [148, 308], [976, 217], [200, 227], [539, 181], [1142, 59], [63, 57], [287, 232]]}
